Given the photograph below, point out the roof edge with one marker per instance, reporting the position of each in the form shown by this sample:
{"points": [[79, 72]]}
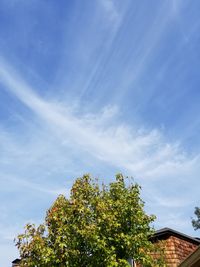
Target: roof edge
{"points": [[169, 231]]}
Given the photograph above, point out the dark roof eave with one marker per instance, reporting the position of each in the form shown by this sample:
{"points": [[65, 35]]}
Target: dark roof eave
{"points": [[170, 232], [16, 261]]}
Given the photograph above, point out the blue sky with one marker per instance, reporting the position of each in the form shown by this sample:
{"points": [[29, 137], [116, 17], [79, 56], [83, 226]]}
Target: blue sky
{"points": [[100, 87]]}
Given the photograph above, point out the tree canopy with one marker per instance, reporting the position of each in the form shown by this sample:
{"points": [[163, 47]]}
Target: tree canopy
{"points": [[97, 225], [196, 222]]}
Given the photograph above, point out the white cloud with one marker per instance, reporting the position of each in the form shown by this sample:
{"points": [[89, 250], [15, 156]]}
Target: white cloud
{"points": [[145, 153]]}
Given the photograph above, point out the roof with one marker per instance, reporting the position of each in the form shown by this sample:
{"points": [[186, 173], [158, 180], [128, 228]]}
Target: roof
{"points": [[16, 261], [193, 260], [166, 232]]}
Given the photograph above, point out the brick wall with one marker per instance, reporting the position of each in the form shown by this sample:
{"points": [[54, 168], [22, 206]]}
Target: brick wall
{"points": [[176, 250]]}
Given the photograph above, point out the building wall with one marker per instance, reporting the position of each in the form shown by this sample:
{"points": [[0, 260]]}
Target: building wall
{"points": [[176, 250]]}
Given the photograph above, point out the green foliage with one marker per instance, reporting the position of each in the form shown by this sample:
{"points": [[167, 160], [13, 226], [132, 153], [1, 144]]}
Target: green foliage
{"points": [[97, 226], [196, 223]]}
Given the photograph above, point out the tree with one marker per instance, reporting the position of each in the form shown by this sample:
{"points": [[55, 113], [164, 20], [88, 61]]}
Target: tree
{"points": [[96, 226], [196, 223]]}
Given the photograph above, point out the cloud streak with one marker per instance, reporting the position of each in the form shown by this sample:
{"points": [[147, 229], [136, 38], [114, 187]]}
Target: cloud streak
{"points": [[146, 154]]}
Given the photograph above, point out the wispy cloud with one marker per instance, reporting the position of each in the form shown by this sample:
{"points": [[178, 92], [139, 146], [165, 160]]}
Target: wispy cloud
{"points": [[111, 10], [21, 184], [140, 152]]}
